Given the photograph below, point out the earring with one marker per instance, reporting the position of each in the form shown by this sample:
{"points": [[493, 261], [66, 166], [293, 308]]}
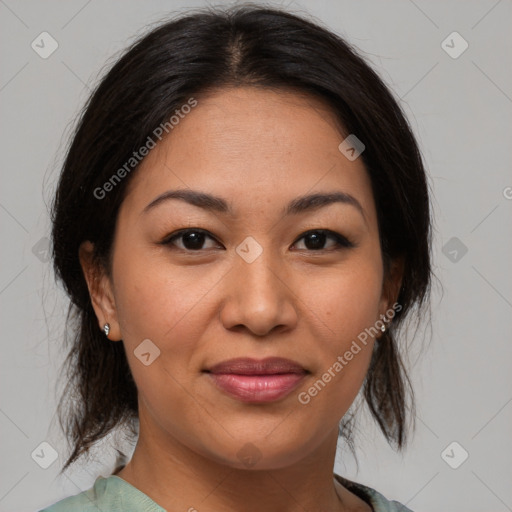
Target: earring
{"points": [[106, 329], [383, 328]]}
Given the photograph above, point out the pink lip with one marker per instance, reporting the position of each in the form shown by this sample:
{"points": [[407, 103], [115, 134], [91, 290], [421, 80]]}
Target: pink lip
{"points": [[250, 380]]}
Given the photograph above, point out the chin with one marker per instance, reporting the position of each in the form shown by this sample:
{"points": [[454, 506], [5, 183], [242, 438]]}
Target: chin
{"points": [[260, 454]]}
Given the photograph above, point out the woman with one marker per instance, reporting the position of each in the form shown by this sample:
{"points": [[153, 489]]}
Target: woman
{"points": [[242, 225]]}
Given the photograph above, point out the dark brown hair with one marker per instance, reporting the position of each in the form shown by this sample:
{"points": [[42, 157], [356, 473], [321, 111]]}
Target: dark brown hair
{"points": [[187, 57]]}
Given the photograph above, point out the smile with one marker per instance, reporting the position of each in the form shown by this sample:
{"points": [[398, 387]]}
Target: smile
{"points": [[254, 381]]}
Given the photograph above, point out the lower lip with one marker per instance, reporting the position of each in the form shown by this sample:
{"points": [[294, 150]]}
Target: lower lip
{"points": [[257, 388]]}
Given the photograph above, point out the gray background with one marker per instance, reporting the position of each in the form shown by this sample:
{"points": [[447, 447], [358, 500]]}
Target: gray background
{"points": [[460, 109]]}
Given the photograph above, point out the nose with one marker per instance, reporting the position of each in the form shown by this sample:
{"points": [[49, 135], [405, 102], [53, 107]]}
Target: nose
{"points": [[258, 297]]}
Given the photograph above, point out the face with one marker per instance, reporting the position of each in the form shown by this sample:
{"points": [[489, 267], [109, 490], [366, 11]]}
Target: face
{"points": [[256, 271]]}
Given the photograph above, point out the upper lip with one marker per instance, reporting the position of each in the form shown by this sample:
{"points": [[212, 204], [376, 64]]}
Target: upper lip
{"points": [[248, 366]]}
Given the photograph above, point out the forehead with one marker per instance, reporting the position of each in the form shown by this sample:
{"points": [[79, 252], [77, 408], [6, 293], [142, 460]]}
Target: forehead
{"points": [[252, 145]]}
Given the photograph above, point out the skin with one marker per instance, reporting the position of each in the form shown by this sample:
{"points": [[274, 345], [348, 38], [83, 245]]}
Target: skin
{"points": [[257, 149]]}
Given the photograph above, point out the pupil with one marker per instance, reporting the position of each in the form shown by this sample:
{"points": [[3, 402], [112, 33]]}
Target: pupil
{"points": [[317, 240], [193, 240]]}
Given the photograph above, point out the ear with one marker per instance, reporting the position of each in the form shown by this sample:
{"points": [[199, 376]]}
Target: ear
{"points": [[392, 284], [100, 290]]}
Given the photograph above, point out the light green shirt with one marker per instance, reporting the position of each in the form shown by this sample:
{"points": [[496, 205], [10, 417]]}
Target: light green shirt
{"points": [[113, 494]]}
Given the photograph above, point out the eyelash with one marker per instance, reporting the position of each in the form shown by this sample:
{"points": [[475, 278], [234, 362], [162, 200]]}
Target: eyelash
{"points": [[341, 241]]}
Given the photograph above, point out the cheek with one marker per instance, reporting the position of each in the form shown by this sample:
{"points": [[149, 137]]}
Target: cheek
{"points": [[347, 305], [170, 307], [166, 308], [154, 298], [347, 300]]}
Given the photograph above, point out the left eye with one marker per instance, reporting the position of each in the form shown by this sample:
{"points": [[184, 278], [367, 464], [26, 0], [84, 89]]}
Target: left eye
{"points": [[315, 240]]}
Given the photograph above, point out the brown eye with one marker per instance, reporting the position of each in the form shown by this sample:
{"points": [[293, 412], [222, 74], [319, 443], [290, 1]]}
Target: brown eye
{"points": [[316, 240], [190, 240]]}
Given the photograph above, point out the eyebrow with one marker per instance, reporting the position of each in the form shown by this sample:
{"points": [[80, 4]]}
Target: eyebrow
{"points": [[218, 204]]}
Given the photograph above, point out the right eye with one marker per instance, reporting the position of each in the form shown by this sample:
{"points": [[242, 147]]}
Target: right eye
{"points": [[190, 240]]}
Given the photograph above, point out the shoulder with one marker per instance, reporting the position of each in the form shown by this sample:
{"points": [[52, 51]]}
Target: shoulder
{"points": [[375, 499], [113, 494]]}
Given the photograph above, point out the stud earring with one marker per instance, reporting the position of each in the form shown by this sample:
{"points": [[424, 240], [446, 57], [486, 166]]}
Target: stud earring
{"points": [[383, 328], [106, 329]]}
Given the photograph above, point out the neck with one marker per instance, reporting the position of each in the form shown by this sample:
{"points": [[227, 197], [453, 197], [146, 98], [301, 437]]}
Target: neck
{"points": [[178, 478]]}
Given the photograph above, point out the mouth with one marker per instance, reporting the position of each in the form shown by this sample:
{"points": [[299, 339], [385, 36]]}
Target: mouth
{"points": [[257, 381]]}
